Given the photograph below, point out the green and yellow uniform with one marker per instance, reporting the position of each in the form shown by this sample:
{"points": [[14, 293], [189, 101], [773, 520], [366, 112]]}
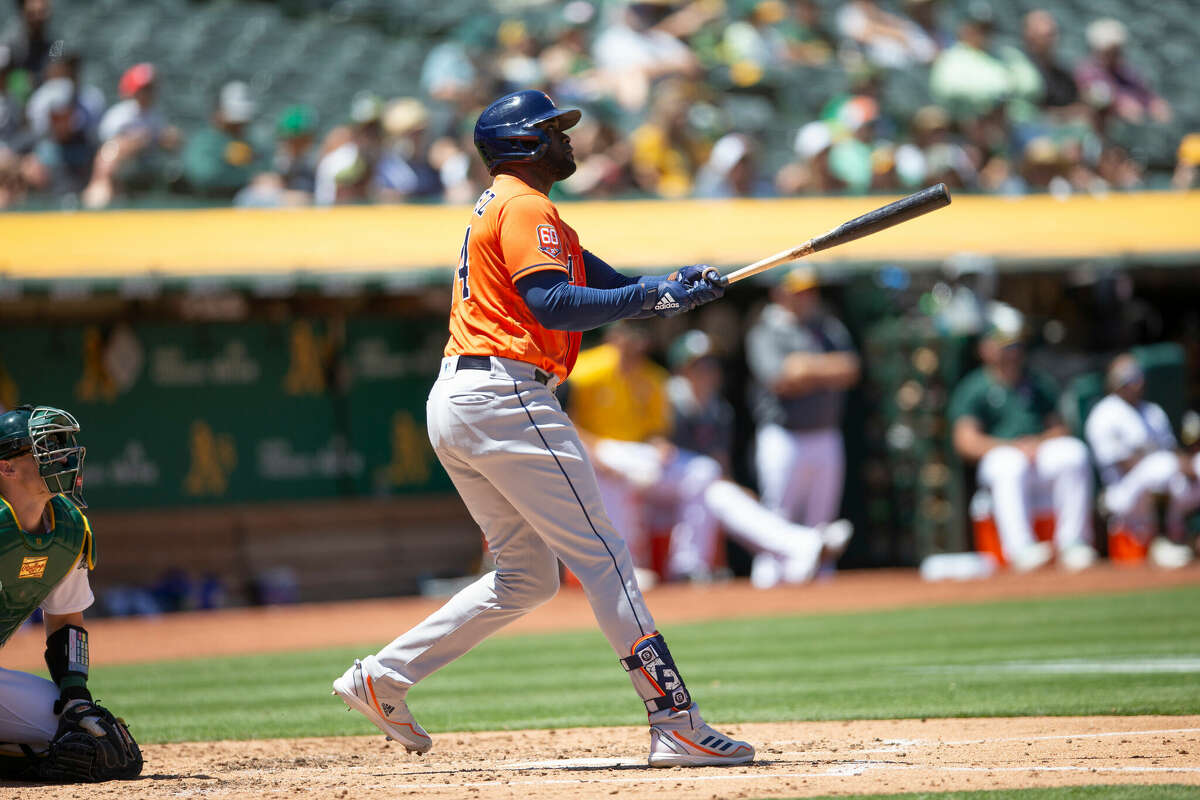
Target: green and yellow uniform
{"points": [[32, 564]]}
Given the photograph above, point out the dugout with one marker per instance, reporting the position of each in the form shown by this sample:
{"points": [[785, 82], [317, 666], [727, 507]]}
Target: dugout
{"points": [[251, 383]]}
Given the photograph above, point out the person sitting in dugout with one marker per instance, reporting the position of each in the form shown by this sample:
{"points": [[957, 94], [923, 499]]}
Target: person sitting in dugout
{"points": [[51, 730]]}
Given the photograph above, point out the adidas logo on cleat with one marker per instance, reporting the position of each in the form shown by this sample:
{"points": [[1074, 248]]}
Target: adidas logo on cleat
{"points": [[388, 708], [665, 302]]}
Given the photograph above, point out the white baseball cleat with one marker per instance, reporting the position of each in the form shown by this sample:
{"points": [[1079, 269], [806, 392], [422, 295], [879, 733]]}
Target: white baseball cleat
{"points": [[1033, 557], [1168, 555], [388, 712], [1078, 557], [684, 739], [835, 536]]}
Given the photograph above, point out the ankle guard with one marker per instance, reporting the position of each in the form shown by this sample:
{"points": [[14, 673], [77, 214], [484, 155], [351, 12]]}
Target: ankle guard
{"points": [[654, 675]]}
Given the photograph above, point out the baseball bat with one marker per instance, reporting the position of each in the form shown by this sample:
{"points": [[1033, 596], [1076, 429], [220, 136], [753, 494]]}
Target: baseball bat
{"points": [[882, 218]]}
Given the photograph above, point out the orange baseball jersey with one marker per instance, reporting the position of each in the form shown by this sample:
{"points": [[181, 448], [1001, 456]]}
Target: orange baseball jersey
{"points": [[515, 231]]}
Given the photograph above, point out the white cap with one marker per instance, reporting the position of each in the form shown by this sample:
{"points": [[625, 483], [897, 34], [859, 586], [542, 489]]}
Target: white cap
{"points": [[1106, 33], [727, 152], [235, 102], [813, 139], [57, 94]]}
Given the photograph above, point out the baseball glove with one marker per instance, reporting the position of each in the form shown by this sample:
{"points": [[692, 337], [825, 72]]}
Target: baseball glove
{"points": [[91, 745]]}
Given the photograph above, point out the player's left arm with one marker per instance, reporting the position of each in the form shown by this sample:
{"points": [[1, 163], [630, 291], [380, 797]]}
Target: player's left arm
{"points": [[90, 744], [67, 657]]}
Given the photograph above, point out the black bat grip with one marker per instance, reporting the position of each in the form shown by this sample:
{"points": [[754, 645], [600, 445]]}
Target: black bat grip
{"points": [[904, 209]]}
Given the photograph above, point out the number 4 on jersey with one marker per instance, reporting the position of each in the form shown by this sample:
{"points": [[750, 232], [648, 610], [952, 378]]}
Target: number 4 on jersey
{"points": [[464, 268]]}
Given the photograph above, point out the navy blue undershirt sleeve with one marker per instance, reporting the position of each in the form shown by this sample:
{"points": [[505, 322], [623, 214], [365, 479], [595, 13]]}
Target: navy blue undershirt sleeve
{"points": [[601, 276], [558, 305]]}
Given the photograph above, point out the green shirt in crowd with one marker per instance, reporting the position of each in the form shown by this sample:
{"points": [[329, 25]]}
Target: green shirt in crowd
{"points": [[1005, 412], [216, 163]]}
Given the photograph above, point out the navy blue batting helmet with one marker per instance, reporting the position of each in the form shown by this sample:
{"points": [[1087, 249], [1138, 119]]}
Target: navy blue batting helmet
{"points": [[510, 129]]}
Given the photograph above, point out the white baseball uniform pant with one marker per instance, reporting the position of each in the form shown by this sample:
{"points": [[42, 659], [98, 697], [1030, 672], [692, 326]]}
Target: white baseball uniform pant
{"points": [[515, 458], [27, 708], [1157, 473], [1063, 469], [700, 503], [801, 473]]}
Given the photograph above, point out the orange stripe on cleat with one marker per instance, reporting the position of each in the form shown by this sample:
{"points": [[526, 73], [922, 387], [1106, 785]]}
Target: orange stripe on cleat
{"points": [[371, 689]]}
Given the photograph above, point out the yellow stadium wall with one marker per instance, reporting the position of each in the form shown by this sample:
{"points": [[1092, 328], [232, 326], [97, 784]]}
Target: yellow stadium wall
{"points": [[632, 234]]}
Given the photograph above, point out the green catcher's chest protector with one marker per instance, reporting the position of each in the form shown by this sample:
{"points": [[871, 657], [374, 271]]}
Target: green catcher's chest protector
{"points": [[32, 564]]}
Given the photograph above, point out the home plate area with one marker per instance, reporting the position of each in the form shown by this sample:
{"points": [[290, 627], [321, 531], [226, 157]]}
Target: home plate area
{"points": [[799, 759]]}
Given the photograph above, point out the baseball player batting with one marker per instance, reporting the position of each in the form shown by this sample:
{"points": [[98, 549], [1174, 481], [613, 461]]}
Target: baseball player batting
{"points": [[523, 290], [50, 730]]}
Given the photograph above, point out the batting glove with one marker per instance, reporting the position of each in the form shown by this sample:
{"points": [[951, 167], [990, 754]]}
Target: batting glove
{"points": [[689, 276], [667, 298]]}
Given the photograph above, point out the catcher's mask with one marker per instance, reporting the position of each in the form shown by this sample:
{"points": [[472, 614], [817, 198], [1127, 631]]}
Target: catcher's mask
{"points": [[48, 434]]}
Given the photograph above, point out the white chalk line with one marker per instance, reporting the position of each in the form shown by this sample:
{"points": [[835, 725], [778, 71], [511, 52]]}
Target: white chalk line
{"points": [[855, 770], [1132, 665], [898, 745]]}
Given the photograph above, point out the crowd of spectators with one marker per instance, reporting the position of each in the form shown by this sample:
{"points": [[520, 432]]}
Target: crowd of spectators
{"points": [[685, 98]]}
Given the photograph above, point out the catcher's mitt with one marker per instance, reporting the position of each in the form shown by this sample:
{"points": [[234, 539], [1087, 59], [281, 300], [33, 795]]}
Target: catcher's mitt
{"points": [[91, 745]]}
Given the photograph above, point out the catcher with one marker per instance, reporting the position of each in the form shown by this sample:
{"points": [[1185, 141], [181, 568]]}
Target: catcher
{"points": [[50, 731]]}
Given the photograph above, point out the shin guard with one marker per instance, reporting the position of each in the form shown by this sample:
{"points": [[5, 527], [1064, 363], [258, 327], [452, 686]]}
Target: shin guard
{"points": [[654, 675]]}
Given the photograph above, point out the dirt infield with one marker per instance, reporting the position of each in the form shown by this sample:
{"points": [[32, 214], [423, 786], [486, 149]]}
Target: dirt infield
{"points": [[794, 759]]}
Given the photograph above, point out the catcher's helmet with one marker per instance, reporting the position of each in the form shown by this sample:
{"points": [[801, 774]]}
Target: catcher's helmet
{"points": [[49, 435], [510, 129]]}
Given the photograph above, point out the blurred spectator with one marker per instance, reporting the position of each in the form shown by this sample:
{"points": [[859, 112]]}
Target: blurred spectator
{"points": [[61, 162], [771, 39], [973, 76], [1138, 458], [885, 39], [1005, 420], [1108, 84], [221, 159], [294, 160], [89, 100], [1117, 170], [347, 173], [404, 169], [811, 173], [12, 183], [1040, 33], [291, 181], [620, 401], [448, 74], [926, 14], [1187, 167], [632, 54], [135, 137], [602, 159], [459, 169], [703, 418], [732, 170], [802, 361], [806, 37], [988, 141], [516, 64], [857, 161], [29, 40], [566, 62], [666, 149], [11, 111], [934, 155]]}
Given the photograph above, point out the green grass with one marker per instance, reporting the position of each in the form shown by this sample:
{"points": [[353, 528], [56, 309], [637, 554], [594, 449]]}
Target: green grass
{"points": [[1166, 792], [930, 662]]}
